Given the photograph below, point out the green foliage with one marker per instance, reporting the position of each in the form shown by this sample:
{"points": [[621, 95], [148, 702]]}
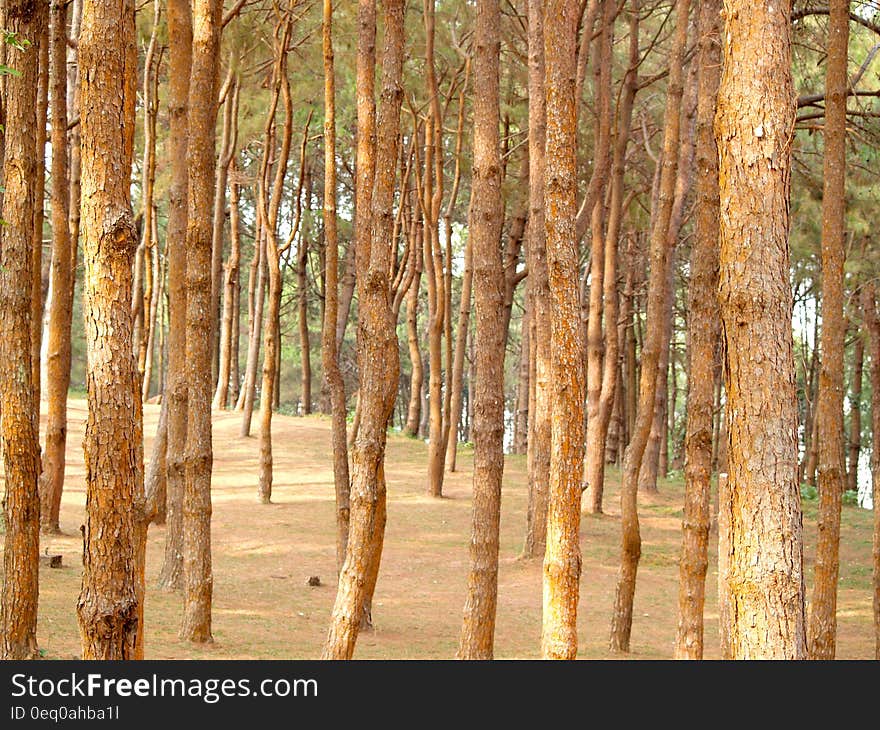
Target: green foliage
{"points": [[809, 492], [851, 498]]}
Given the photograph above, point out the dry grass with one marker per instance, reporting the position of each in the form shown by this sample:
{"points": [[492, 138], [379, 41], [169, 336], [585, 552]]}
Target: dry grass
{"points": [[264, 555]]}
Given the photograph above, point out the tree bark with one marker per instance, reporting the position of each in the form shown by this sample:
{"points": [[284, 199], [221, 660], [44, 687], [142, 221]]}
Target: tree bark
{"points": [[461, 340], [38, 292], [562, 559], [198, 576], [109, 608], [702, 347], [855, 414], [19, 436], [417, 374], [487, 214], [302, 273], [538, 449], [329, 352], [822, 629], [872, 325], [180, 62], [378, 358], [753, 129]]}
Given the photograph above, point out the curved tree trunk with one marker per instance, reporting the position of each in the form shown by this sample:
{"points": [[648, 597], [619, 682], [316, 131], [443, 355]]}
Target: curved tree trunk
{"points": [[417, 375], [753, 129]]}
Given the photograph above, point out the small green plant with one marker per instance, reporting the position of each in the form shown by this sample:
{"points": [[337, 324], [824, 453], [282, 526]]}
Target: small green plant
{"points": [[809, 492], [851, 497]]}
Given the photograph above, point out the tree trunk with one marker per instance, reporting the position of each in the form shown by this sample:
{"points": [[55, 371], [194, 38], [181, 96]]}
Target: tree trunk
{"points": [[109, 607], [754, 125], [198, 577], [521, 412], [487, 212], [180, 61], [872, 325], [19, 436], [62, 280], [329, 352], [378, 358], [417, 375], [659, 250], [303, 309], [41, 46], [702, 347], [538, 449], [461, 340], [562, 560]]}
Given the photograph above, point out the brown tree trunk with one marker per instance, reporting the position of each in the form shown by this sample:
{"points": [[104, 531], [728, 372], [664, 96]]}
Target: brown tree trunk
{"points": [[198, 577], [180, 61], [302, 272], [487, 211], [562, 560], [831, 467], [521, 410], [855, 415], [257, 291], [329, 352], [62, 280], [872, 325], [754, 125], [19, 436], [109, 608], [659, 249], [702, 347], [41, 46], [461, 340], [378, 358], [538, 450], [417, 375]]}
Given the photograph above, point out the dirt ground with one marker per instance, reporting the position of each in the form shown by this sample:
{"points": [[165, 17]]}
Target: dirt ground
{"points": [[264, 554]]}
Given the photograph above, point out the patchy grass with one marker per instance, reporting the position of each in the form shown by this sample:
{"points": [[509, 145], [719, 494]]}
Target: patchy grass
{"points": [[264, 555]]}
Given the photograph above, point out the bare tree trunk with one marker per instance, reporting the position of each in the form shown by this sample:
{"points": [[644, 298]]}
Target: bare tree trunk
{"points": [[538, 449], [329, 351], [855, 415], [303, 309], [378, 358], [417, 376], [19, 435], [41, 45], [521, 412], [259, 277], [702, 348], [197, 571], [109, 608], [562, 560], [765, 585], [659, 247], [461, 340], [872, 324], [487, 216], [180, 61]]}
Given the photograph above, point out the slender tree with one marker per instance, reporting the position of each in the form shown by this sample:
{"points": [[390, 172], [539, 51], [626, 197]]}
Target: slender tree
{"points": [[109, 608], [19, 437], [872, 325], [487, 212], [764, 582], [829, 414], [198, 576]]}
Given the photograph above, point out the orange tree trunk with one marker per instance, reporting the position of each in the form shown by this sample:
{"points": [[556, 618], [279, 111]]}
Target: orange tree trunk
{"points": [[538, 447], [378, 358], [18, 433], [60, 311], [753, 128], [562, 559], [329, 353], [180, 61], [658, 291], [487, 215], [831, 468], [702, 346], [108, 608], [198, 576]]}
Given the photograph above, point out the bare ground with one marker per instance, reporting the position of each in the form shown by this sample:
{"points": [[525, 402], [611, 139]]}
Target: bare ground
{"points": [[264, 555]]}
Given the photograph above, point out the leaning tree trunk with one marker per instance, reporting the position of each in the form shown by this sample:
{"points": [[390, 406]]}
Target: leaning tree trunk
{"points": [[487, 216], [109, 608], [197, 574], [18, 434], [538, 446], [562, 560], [60, 309], [829, 413], [329, 351], [378, 358], [702, 346], [631, 541], [754, 127], [180, 62]]}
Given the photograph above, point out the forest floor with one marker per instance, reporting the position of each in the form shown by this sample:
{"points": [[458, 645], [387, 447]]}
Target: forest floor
{"points": [[263, 556]]}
